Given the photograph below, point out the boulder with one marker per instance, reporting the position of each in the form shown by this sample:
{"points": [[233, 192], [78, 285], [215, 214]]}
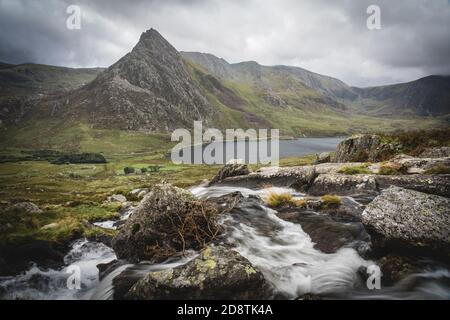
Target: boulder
{"points": [[366, 147], [441, 152], [395, 268], [217, 273], [298, 178], [230, 170], [168, 220], [323, 157], [401, 219], [432, 184], [413, 165], [341, 184], [24, 207], [117, 198]]}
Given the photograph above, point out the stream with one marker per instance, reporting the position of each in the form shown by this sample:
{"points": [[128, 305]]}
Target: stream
{"points": [[282, 250]]}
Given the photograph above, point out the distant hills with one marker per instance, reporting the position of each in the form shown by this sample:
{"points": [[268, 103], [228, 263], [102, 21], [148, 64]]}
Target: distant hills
{"points": [[156, 89]]}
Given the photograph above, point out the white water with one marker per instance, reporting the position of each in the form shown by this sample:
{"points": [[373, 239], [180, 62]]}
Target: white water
{"points": [[287, 257]]}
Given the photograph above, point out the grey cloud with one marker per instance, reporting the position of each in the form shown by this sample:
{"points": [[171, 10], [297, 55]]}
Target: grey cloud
{"points": [[328, 37]]}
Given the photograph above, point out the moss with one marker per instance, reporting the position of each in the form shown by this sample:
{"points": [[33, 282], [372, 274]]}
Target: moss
{"points": [[331, 201], [250, 270], [362, 169], [438, 169], [391, 169]]}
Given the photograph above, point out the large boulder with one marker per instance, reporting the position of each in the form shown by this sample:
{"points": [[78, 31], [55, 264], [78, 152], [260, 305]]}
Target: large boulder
{"points": [[366, 147], [168, 220], [230, 170], [298, 178], [401, 219], [341, 184], [217, 273]]}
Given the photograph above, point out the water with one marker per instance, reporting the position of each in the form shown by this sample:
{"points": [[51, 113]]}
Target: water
{"points": [[287, 148], [282, 250]]}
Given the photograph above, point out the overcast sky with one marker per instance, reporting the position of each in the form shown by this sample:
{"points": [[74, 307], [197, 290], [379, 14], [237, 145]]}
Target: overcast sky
{"points": [[328, 37]]}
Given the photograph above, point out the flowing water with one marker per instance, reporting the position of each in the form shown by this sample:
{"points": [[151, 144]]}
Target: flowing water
{"points": [[282, 250]]}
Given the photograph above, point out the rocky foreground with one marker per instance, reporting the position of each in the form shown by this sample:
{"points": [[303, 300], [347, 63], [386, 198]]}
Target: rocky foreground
{"points": [[402, 210]]}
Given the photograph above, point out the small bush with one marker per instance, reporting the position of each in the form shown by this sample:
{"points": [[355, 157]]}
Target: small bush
{"points": [[438, 169], [144, 170], [362, 169], [154, 168], [129, 170], [331, 201]]}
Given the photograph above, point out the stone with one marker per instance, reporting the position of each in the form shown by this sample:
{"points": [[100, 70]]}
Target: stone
{"points": [[441, 152], [401, 219], [217, 273], [230, 170], [323, 157], [117, 198], [25, 207], [341, 184]]}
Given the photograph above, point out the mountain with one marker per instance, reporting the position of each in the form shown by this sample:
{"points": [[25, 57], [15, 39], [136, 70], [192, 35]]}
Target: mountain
{"points": [[429, 96], [22, 85], [156, 89]]}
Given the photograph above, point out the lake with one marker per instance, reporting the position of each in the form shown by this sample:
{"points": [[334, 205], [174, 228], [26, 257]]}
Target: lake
{"points": [[287, 148]]}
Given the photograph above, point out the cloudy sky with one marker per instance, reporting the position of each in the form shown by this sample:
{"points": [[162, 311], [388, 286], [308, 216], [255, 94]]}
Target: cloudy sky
{"points": [[325, 36]]}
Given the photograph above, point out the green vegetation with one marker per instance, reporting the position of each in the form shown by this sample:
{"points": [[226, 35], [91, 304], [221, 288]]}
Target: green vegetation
{"points": [[362, 169], [80, 158], [392, 169], [438, 169], [331, 201], [129, 170]]}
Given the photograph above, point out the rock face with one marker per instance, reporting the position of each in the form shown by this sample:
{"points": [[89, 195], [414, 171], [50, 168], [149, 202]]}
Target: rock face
{"points": [[168, 220], [399, 217], [343, 184], [217, 273], [230, 170], [362, 148]]}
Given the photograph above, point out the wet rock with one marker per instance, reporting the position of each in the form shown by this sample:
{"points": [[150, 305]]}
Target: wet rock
{"points": [[394, 268], [167, 220], [340, 184], [323, 157], [361, 148], [106, 268], [17, 257], [217, 273], [24, 207], [440, 152], [230, 170], [432, 184], [400, 219]]}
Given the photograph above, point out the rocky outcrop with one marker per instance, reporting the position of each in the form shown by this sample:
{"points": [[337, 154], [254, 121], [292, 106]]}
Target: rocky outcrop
{"points": [[323, 157], [432, 184], [400, 218], [360, 148], [441, 152], [217, 273], [24, 207], [340, 184], [168, 220], [295, 177], [230, 170], [414, 165]]}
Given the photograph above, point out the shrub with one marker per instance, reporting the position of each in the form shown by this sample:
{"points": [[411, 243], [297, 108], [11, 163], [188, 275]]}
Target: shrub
{"points": [[129, 170], [438, 169], [331, 201], [155, 168], [362, 169], [144, 170]]}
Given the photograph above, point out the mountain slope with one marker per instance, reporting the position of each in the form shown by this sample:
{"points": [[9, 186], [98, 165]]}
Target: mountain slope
{"points": [[424, 97], [22, 85]]}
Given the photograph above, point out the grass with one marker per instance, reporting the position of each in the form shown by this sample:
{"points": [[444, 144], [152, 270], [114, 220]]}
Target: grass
{"points": [[362, 169], [331, 201], [438, 169], [392, 169], [284, 199]]}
